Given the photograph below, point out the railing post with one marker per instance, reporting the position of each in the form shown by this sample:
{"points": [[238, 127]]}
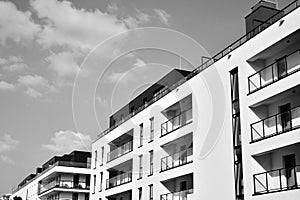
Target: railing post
{"points": [[280, 179], [251, 126], [290, 113], [276, 124], [273, 73], [295, 174], [267, 185], [254, 185], [248, 84], [260, 85], [263, 126]]}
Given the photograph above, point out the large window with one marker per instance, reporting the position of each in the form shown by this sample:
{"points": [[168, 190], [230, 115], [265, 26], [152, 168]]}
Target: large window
{"points": [[151, 129], [95, 159], [140, 193], [102, 155], [151, 162], [151, 192], [140, 166], [141, 134], [101, 181], [94, 185]]}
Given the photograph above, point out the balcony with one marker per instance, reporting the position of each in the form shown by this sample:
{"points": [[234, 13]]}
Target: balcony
{"points": [[118, 152], [176, 122], [119, 180], [277, 180], [177, 159], [276, 124], [180, 195], [280, 69], [63, 184]]}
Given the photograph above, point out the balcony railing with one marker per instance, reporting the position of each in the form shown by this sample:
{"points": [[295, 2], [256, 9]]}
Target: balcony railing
{"points": [[285, 11], [277, 180], [181, 195], [177, 159], [177, 122], [283, 67], [63, 184], [276, 124], [118, 152], [119, 180]]}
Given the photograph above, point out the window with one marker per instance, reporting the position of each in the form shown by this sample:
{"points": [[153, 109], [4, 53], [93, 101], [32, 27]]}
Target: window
{"points": [[95, 159], [151, 192], [141, 134], [101, 181], [94, 186], [75, 196], [140, 166], [151, 162], [102, 156], [140, 193], [86, 197], [151, 129]]}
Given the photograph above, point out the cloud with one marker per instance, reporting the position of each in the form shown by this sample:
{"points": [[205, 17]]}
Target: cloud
{"points": [[112, 7], [67, 141], [7, 143], [64, 25], [35, 86], [6, 159], [139, 63], [163, 16], [138, 20], [101, 101], [13, 63], [15, 24], [64, 63], [33, 93], [5, 86]]}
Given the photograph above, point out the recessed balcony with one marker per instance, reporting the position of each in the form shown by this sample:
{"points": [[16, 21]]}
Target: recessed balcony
{"points": [[279, 123], [180, 195], [65, 184], [281, 68], [177, 159], [119, 180], [118, 152], [277, 180]]}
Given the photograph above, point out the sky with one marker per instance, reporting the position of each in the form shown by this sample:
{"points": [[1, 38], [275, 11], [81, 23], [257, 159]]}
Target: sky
{"points": [[60, 59]]}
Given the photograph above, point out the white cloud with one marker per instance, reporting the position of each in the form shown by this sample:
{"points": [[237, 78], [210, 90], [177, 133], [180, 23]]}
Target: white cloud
{"points": [[36, 86], [7, 143], [112, 7], [13, 63], [67, 141], [65, 25], [33, 93], [163, 16], [6, 159], [139, 63], [64, 63], [120, 77], [7, 86], [16, 67], [101, 101], [15, 24]]}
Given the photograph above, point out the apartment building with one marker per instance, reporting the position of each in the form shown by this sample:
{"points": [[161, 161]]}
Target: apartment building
{"points": [[226, 130], [61, 177]]}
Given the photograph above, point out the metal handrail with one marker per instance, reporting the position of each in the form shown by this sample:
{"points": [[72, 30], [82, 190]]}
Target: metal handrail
{"points": [[285, 57], [119, 180], [270, 184], [181, 194], [164, 126], [118, 152], [289, 112], [280, 14], [182, 158], [63, 184]]}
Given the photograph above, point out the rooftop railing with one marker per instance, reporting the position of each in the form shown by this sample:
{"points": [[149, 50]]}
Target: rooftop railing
{"points": [[285, 11], [118, 152], [119, 180], [276, 124], [283, 67], [181, 195], [177, 159], [277, 180], [176, 122]]}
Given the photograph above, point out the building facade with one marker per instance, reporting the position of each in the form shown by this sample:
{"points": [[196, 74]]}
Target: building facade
{"points": [[62, 177], [227, 130]]}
